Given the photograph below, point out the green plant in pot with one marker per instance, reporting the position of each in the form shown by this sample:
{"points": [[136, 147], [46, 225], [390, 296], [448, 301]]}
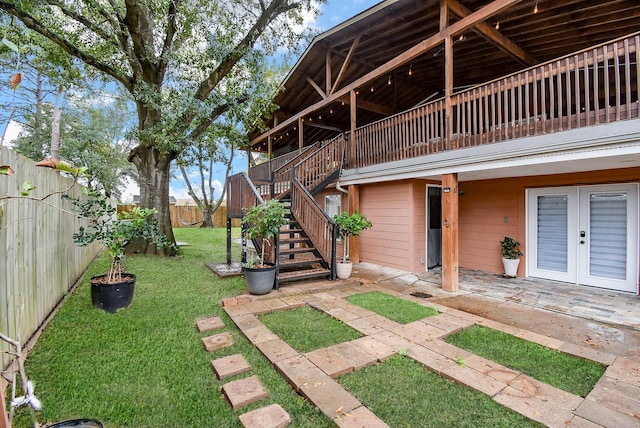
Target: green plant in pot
{"points": [[510, 250], [349, 225], [114, 290], [263, 223]]}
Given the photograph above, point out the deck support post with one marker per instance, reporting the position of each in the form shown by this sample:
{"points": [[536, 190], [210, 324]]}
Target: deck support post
{"points": [[450, 232], [354, 206], [228, 240]]}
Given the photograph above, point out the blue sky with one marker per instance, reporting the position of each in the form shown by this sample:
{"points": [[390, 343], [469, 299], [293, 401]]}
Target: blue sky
{"points": [[333, 13]]}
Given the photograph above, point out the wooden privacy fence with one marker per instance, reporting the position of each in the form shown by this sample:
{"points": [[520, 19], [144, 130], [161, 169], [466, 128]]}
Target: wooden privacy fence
{"points": [[39, 261], [191, 216]]}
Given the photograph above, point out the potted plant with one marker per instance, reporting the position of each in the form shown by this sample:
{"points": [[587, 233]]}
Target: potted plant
{"points": [[114, 290], [263, 222], [348, 226], [510, 249]]}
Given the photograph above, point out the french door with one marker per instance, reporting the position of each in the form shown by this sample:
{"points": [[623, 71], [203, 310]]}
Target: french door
{"points": [[586, 235]]}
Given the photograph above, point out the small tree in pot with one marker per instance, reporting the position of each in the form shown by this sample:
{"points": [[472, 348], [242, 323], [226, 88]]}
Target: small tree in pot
{"points": [[348, 226], [263, 223], [114, 290], [510, 249]]}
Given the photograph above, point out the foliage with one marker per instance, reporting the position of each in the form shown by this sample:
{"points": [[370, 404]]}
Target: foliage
{"points": [[93, 364], [399, 310], [567, 372], [264, 222], [510, 248], [307, 329], [185, 65], [348, 226], [92, 133], [404, 393], [115, 230]]}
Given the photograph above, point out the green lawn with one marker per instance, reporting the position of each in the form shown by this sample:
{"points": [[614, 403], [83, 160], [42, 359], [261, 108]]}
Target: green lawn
{"points": [[306, 329], [145, 366], [422, 398], [399, 310], [572, 374]]}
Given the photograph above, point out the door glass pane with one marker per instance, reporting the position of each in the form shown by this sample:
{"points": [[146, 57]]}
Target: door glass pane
{"points": [[608, 235], [332, 205], [552, 232]]}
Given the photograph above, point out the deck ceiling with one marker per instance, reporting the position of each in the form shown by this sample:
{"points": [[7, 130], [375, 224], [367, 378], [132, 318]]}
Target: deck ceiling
{"points": [[388, 29]]}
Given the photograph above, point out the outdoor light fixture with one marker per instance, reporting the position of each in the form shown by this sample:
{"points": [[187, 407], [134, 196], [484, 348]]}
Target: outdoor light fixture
{"points": [[410, 71], [389, 80], [497, 25], [535, 8]]}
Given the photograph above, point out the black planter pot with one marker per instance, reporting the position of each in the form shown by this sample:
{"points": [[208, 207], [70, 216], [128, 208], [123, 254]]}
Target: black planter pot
{"points": [[111, 297], [260, 280]]}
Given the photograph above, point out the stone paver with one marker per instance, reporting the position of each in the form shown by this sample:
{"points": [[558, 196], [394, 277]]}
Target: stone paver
{"points": [[373, 347], [491, 369], [359, 418], [217, 341], [230, 366], [540, 339], [558, 397], [420, 332], [276, 304], [446, 349], [236, 310], [626, 370], [273, 416], [534, 408], [210, 323], [617, 395], [393, 340], [605, 416], [588, 353], [446, 322], [245, 322], [300, 371], [243, 392], [257, 307], [259, 334], [328, 396], [276, 350], [330, 361], [364, 326], [354, 355], [342, 314]]}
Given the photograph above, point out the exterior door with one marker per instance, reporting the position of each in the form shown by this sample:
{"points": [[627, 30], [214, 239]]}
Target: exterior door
{"points": [[586, 235]]}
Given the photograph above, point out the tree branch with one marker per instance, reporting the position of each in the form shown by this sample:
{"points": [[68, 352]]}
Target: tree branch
{"points": [[171, 32], [36, 25], [140, 26], [84, 21]]}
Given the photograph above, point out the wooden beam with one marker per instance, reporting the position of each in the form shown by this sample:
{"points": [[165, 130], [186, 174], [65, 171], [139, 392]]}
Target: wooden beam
{"points": [[482, 14], [316, 87], [374, 107], [345, 63], [493, 35], [450, 258], [327, 72], [300, 133], [354, 206]]}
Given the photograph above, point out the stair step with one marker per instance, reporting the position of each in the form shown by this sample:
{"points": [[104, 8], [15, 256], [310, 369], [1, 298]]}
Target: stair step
{"points": [[291, 263], [297, 240], [291, 230], [287, 251], [303, 274]]}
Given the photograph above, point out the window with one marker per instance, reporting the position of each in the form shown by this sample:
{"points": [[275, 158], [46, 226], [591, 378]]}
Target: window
{"points": [[333, 205]]}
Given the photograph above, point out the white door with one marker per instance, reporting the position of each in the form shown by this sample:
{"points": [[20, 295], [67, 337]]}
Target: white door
{"points": [[585, 235]]}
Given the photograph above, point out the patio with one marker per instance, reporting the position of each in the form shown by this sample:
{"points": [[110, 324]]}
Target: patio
{"points": [[512, 306]]}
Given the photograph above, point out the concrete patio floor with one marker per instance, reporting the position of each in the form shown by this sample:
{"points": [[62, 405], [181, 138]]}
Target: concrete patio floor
{"points": [[587, 322]]}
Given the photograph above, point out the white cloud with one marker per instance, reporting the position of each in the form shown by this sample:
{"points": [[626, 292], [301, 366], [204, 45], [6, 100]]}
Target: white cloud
{"points": [[131, 189], [13, 130]]}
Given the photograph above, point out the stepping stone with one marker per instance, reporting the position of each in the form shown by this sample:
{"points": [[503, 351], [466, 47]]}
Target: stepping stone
{"points": [[273, 416], [358, 418], [243, 392], [230, 366], [330, 361], [217, 341], [210, 323]]}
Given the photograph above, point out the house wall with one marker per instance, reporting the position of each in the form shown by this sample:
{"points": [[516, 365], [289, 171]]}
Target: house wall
{"points": [[397, 211], [493, 209]]}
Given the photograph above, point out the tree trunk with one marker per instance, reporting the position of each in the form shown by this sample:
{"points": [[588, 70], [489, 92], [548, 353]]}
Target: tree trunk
{"points": [[154, 175], [207, 218]]}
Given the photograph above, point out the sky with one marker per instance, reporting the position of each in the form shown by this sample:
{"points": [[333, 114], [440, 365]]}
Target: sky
{"points": [[333, 12]]}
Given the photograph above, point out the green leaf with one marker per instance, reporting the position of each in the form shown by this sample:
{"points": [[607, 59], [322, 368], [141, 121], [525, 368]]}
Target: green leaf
{"points": [[8, 43], [27, 187]]}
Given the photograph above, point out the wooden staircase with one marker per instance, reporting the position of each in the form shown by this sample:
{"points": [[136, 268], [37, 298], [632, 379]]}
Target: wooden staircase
{"points": [[305, 248], [298, 259]]}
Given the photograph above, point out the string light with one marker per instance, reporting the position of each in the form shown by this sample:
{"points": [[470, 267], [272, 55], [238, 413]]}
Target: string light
{"points": [[535, 8], [410, 69], [389, 80], [497, 25], [372, 88], [331, 110], [462, 38]]}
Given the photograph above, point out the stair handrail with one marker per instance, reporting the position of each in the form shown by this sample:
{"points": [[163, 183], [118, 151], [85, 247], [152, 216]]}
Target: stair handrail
{"points": [[313, 173], [280, 177], [303, 213]]}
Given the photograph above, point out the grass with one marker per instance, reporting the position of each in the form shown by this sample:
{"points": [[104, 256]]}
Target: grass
{"points": [[567, 372], [399, 310], [145, 366], [426, 399], [306, 329]]}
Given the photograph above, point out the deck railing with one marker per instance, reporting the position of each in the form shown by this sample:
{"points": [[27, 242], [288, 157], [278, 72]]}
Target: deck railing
{"points": [[281, 182], [241, 194], [590, 87]]}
